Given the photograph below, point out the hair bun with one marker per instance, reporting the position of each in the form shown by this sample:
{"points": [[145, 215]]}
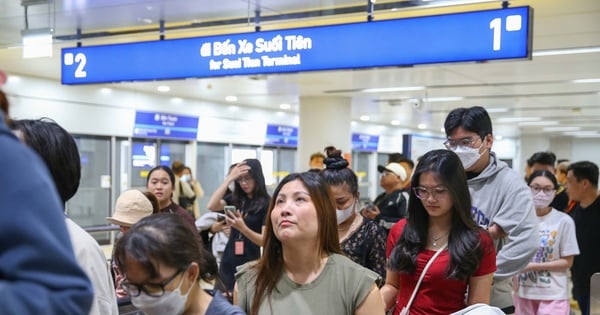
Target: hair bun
{"points": [[335, 163]]}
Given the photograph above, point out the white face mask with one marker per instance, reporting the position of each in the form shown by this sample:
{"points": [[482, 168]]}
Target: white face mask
{"points": [[172, 302], [541, 200], [185, 178], [343, 215], [468, 156]]}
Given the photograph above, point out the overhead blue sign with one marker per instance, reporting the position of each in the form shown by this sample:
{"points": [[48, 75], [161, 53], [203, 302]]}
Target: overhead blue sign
{"points": [[364, 142], [278, 135], [458, 37], [165, 126]]}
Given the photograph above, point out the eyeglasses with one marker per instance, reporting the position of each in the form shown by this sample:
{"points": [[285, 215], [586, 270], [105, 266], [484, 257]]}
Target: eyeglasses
{"points": [[437, 192], [246, 180], [547, 190], [464, 142], [151, 289]]}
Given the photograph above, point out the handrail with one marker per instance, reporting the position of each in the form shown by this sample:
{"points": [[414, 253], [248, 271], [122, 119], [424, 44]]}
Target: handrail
{"points": [[101, 228]]}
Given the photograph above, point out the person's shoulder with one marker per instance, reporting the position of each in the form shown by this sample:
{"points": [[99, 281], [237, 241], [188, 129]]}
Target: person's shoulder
{"points": [[220, 305], [247, 271]]}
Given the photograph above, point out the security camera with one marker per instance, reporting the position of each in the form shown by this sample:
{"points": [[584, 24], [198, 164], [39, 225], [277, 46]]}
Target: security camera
{"points": [[416, 103]]}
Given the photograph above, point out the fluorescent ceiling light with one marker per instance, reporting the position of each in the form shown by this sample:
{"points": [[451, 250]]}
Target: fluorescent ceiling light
{"points": [[538, 123], [443, 99], [231, 98], [586, 81], [37, 42], [497, 110], [566, 51], [518, 119], [581, 133], [498, 138], [285, 106], [395, 122], [394, 89], [163, 88], [561, 128], [364, 118], [421, 126]]}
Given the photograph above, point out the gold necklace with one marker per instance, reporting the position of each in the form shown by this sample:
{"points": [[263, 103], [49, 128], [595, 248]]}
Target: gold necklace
{"points": [[435, 239]]}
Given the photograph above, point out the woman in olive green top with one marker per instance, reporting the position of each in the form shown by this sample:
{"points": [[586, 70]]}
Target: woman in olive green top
{"points": [[302, 270]]}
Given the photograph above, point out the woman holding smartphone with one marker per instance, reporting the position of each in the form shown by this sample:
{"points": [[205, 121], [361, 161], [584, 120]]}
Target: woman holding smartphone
{"points": [[246, 208]]}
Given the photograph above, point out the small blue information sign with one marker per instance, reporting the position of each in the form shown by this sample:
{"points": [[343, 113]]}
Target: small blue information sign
{"points": [[165, 126], [364, 142], [458, 37], [285, 136]]}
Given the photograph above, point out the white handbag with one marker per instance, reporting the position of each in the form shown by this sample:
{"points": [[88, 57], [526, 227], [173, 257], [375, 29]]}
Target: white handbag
{"points": [[479, 309]]}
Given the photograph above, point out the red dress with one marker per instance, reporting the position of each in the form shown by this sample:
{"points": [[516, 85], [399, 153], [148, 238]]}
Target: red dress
{"points": [[437, 294]]}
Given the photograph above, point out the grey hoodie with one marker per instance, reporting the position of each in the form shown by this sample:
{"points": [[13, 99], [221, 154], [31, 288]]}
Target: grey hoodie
{"points": [[501, 196]]}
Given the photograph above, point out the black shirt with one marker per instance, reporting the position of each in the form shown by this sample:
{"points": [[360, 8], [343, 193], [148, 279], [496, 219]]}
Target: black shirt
{"points": [[392, 206], [587, 262]]}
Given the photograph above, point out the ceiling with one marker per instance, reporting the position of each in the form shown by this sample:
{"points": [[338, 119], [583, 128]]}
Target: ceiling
{"points": [[541, 92]]}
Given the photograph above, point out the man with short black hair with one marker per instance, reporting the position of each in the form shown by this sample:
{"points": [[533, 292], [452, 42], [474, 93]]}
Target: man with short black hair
{"points": [[582, 187], [501, 200]]}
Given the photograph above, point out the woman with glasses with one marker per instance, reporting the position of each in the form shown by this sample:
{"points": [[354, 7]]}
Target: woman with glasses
{"points": [[541, 288], [439, 219], [250, 199], [302, 270], [164, 261], [361, 239]]}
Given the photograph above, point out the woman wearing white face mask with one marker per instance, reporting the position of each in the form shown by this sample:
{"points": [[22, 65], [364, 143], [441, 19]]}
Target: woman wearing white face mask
{"points": [[361, 239], [164, 261], [541, 288]]}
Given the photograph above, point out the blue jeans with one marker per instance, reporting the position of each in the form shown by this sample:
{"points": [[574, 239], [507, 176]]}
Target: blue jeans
{"points": [[584, 304]]}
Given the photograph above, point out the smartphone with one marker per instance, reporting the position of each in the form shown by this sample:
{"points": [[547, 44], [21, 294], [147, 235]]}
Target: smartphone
{"points": [[220, 217], [230, 209]]}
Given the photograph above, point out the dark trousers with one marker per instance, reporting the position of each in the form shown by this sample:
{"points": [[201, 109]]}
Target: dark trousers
{"points": [[584, 304]]}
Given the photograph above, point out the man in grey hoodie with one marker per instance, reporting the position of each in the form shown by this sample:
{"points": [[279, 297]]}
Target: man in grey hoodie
{"points": [[502, 202]]}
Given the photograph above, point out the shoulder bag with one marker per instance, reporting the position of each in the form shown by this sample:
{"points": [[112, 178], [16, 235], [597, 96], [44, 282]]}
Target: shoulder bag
{"points": [[405, 309]]}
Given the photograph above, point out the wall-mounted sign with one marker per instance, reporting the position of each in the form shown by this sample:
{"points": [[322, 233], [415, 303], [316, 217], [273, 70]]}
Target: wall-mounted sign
{"points": [[458, 37], [284, 136], [364, 142], [414, 146], [165, 126]]}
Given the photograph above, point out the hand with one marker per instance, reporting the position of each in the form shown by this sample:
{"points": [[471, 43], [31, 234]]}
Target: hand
{"points": [[235, 220], [226, 230], [370, 212], [496, 231], [238, 171], [217, 227]]}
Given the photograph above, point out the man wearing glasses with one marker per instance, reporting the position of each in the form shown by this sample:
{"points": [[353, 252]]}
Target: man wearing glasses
{"points": [[502, 202]]}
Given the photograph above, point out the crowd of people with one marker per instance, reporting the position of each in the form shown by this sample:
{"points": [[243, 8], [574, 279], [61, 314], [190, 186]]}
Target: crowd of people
{"points": [[458, 229]]}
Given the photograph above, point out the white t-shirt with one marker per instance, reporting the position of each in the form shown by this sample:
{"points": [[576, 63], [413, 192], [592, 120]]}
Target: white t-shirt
{"points": [[557, 239]]}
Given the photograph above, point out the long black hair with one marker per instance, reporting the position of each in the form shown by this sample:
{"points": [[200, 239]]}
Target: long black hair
{"points": [[464, 237], [260, 196]]}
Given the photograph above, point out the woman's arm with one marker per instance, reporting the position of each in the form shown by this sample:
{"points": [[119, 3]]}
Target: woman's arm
{"points": [[372, 304], [236, 220], [480, 288], [389, 291], [561, 264], [216, 202]]}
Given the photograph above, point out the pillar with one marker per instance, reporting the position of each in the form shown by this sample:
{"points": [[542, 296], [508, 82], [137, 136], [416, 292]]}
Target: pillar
{"points": [[324, 121]]}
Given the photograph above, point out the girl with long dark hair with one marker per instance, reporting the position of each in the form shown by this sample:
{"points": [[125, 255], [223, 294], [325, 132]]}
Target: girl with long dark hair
{"points": [[439, 215]]}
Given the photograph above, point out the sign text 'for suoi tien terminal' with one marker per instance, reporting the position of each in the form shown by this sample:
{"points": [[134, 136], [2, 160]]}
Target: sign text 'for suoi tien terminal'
{"points": [[458, 37]]}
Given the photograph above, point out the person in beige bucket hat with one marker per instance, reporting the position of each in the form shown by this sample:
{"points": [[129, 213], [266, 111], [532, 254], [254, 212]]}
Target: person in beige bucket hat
{"points": [[132, 206]]}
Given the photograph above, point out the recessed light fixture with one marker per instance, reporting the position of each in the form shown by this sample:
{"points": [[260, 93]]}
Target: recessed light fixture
{"points": [[421, 126], [176, 100], [498, 138], [364, 118], [443, 129], [285, 106], [105, 91], [231, 98], [163, 88], [395, 122], [394, 89]]}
